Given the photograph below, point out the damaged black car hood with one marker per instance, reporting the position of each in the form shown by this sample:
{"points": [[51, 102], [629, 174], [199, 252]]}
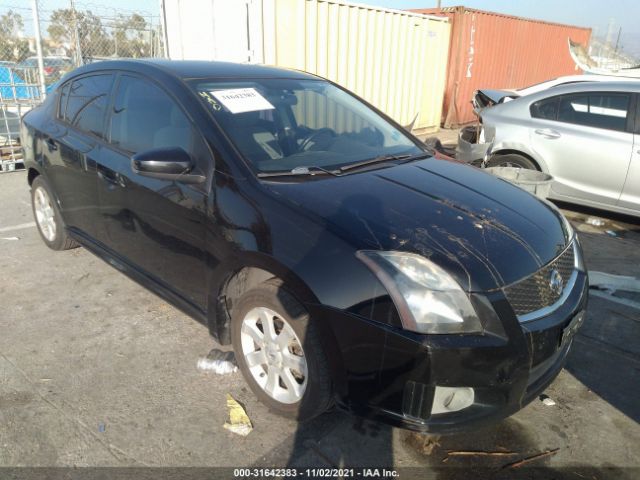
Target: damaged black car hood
{"points": [[486, 232]]}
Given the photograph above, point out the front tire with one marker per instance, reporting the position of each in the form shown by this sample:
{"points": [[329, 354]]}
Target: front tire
{"points": [[278, 350], [511, 160], [47, 216]]}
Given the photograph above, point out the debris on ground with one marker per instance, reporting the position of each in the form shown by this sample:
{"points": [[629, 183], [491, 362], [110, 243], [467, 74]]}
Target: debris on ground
{"points": [[10, 238], [423, 443], [611, 233], [595, 221], [219, 362], [478, 453], [238, 419], [101, 427], [548, 401], [530, 459]]}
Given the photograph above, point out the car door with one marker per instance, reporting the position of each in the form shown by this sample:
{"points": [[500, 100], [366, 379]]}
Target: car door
{"points": [[156, 225], [585, 140], [71, 146]]}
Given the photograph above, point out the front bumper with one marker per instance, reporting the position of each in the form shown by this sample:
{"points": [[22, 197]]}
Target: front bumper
{"points": [[390, 374], [468, 149]]}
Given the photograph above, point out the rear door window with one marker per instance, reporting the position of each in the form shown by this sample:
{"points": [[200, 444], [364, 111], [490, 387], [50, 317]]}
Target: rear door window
{"points": [[87, 102], [145, 117], [601, 110]]}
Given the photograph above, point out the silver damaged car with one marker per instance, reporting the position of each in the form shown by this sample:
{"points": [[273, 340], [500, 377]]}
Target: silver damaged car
{"points": [[587, 136]]}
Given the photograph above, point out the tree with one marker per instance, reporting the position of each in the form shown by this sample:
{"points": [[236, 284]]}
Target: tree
{"points": [[93, 40], [13, 46], [131, 36]]}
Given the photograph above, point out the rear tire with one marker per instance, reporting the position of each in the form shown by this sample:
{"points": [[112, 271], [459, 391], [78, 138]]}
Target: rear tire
{"points": [[511, 160], [48, 218], [292, 379]]}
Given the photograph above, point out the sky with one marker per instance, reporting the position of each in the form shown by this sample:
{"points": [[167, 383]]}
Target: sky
{"points": [[585, 13]]}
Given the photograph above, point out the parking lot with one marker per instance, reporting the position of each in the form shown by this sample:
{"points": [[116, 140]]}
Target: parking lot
{"points": [[97, 371]]}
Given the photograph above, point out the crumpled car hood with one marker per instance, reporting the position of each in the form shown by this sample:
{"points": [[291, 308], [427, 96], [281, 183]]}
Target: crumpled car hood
{"points": [[488, 98], [486, 232]]}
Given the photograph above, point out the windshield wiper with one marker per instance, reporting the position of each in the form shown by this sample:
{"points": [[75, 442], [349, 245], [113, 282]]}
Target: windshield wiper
{"points": [[370, 161], [312, 170], [383, 158]]}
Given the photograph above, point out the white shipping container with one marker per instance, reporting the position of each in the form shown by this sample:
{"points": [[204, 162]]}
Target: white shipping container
{"points": [[394, 59]]}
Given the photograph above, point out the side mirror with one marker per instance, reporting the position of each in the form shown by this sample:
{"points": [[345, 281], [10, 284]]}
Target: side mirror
{"points": [[167, 163]]}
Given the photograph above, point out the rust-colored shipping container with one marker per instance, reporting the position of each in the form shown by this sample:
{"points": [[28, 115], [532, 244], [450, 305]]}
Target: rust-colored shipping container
{"points": [[496, 51]]}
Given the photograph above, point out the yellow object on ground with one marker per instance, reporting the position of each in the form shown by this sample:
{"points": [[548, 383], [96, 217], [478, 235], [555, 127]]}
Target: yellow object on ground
{"points": [[238, 420]]}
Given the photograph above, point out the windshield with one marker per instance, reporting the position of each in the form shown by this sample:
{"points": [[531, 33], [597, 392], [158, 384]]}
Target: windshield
{"points": [[282, 124]]}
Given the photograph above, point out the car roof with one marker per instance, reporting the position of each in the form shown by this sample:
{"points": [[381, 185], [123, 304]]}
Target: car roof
{"points": [[518, 105], [193, 69], [610, 86], [593, 78]]}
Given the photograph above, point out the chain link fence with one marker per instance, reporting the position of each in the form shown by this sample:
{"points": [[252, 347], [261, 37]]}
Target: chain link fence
{"points": [[34, 55]]}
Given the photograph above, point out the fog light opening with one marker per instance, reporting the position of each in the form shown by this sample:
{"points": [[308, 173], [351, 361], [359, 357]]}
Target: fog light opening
{"points": [[451, 399]]}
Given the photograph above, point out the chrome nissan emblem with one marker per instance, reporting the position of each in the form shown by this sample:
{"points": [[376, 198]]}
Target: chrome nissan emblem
{"points": [[555, 282]]}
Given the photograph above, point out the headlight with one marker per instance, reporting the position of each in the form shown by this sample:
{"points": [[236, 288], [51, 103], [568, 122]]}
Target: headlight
{"points": [[428, 299]]}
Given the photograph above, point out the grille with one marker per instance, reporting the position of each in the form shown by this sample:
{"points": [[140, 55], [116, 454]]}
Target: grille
{"points": [[534, 292]]}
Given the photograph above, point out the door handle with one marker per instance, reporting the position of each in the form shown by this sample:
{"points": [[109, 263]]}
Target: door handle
{"points": [[109, 176], [548, 133], [51, 144]]}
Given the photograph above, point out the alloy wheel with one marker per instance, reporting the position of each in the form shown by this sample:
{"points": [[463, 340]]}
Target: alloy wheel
{"points": [[274, 355], [45, 215]]}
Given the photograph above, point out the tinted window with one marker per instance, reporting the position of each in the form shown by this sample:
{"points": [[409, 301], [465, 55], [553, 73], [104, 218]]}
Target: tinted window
{"points": [[607, 110], [546, 108], [145, 117], [64, 93], [87, 103]]}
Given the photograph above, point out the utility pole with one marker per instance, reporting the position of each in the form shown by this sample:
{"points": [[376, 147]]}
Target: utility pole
{"points": [[609, 34], [36, 31], [76, 35], [163, 26], [618, 40]]}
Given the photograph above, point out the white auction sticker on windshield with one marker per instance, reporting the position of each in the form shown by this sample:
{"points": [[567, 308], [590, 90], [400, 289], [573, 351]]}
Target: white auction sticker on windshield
{"points": [[240, 100]]}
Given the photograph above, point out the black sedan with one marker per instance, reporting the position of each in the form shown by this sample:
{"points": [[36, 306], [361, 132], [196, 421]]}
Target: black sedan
{"points": [[343, 261]]}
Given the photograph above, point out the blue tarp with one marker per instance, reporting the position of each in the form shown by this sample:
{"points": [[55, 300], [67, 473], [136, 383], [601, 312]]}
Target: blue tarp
{"points": [[13, 87]]}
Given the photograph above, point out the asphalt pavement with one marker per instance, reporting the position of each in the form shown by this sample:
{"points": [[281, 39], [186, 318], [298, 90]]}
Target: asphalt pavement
{"points": [[97, 371]]}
